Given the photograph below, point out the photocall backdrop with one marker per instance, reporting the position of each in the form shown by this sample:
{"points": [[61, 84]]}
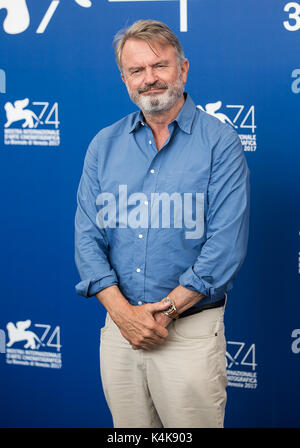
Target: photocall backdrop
{"points": [[59, 85]]}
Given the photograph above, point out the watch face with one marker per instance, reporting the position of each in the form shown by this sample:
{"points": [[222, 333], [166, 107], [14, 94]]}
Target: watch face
{"points": [[171, 309], [168, 311]]}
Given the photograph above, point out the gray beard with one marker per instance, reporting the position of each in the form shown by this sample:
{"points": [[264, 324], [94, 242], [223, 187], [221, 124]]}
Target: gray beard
{"points": [[156, 103]]}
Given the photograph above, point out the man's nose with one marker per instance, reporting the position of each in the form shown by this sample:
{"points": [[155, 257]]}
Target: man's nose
{"points": [[150, 76]]}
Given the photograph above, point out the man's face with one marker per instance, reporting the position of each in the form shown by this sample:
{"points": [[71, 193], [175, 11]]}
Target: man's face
{"points": [[153, 78]]}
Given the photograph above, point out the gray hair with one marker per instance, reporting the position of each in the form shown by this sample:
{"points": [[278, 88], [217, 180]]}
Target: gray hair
{"points": [[149, 31]]}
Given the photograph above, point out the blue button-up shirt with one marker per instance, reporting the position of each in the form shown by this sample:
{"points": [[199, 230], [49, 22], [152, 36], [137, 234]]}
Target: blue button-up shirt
{"points": [[149, 220]]}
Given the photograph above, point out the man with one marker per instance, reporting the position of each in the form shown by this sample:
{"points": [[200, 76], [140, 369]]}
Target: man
{"points": [[147, 181]]}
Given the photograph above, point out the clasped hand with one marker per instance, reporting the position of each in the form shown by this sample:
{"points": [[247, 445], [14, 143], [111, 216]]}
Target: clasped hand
{"points": [[144, 326]]}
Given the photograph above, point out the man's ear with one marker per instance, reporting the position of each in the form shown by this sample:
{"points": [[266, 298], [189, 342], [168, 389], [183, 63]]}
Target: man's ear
{"points": [[184, 69], [123, 78]]}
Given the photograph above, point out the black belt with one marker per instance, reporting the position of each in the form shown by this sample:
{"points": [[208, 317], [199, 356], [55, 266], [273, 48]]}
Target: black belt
{"points": [[200, 308]]}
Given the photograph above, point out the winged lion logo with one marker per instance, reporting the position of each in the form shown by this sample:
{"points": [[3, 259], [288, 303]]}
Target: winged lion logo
{"points": [[17, 112], [212, 108], [19, 332]]}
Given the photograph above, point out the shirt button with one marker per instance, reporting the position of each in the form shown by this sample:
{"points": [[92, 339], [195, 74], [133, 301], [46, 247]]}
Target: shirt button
{"points": [[150, 142], [146, 202], [152, 171], [140, 235], [138, 270], [143, 124], [140, 303]]}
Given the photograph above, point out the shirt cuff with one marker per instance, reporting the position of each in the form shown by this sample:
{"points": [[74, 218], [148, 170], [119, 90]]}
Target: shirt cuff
{"points": [[89, 288], [203, 285]]}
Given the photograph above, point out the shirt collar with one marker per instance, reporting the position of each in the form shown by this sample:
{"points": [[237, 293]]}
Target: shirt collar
{"points": [[137, 120], [186, 115], [184, 119]]}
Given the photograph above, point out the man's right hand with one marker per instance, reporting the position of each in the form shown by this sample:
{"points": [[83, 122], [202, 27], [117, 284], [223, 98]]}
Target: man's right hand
{"points": [[137, 324]]}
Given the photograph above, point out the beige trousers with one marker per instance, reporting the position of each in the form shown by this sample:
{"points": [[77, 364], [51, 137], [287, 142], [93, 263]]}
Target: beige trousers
{"points": [[178, 384]]}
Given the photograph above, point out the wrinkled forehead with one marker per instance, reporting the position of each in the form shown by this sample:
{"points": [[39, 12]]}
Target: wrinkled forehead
{"points": [[136, 50]]}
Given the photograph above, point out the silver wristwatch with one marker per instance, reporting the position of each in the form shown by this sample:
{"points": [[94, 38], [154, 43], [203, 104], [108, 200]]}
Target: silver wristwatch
{"points": [[171, 312]]}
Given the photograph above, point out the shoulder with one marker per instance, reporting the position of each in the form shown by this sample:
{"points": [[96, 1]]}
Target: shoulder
{"points": [[115, 130], [222, 126], [222, 136], [101, 142], [213, 124]]}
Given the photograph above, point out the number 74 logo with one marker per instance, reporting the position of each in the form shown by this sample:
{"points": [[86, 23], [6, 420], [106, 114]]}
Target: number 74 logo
{"points": [[237, 354]]}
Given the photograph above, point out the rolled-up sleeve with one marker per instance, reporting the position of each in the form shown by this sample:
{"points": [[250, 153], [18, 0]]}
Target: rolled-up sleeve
{"points": [[91, 247], [227, 222]]}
